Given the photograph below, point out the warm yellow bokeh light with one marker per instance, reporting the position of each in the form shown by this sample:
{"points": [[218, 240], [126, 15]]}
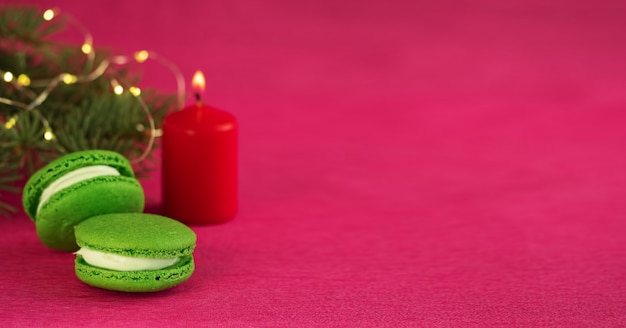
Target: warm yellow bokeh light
{"points": [[10, 123], [117, 88], [8, 76], [135, 91], [86, 48], [141, 56], [48, 135], [23, 79], [48, 14], [69, 78]]}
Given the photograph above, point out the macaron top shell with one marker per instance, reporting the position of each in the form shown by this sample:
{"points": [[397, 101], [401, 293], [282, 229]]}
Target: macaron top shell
{"points": [[65, 164], [137, 235]]}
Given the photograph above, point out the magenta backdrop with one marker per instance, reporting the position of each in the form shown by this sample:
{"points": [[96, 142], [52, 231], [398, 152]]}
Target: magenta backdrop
{"points": [[403, 163]]}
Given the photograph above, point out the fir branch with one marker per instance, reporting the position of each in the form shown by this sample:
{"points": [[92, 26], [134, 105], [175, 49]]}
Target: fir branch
{"points": [[81, 115]]}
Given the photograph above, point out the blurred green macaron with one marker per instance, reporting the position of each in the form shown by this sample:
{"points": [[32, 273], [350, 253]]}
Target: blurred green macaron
{"points": [[78, 186]]}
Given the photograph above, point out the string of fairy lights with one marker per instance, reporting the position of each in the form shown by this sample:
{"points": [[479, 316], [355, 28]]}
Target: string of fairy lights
{"points": [[22, 82]]}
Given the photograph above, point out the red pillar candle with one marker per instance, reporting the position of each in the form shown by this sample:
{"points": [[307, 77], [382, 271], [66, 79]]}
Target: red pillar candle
{"points": [[199, 163]]}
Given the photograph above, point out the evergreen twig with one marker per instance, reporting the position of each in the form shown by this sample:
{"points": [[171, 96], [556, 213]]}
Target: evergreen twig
{"points": [[82, 115]]}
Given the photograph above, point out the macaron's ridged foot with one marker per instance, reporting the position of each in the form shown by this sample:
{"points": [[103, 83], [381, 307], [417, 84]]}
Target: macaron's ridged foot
{"points": [[135, 281]]}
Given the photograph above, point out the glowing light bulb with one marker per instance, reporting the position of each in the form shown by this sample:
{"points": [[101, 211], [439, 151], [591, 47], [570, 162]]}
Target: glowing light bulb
{"points": [[48, 15], [11, 122], [141, 56], [117, 88], [48, 135], [69, 78], [86, 48], [8, 76], [135, 91], [23, 79]]}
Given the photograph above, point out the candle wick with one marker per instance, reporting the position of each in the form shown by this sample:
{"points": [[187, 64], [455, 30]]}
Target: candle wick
{"points": [[197, 96]]}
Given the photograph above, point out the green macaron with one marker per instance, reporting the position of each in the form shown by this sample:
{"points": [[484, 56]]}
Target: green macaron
{"points": [[134, 252], [78, 186]]}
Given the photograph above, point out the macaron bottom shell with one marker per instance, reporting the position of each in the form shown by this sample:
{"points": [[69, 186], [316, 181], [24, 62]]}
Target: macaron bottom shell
{"points": [[57, 218], [135, 281]]}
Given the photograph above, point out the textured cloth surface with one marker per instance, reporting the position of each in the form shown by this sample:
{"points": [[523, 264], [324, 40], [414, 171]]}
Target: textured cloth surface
{"points": [[402, 163]]}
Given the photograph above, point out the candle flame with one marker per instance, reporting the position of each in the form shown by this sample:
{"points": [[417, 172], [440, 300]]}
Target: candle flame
{"points": [[198, 82]]}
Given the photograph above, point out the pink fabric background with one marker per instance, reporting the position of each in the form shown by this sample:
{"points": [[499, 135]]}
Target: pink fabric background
{"points": [[403, 163]]}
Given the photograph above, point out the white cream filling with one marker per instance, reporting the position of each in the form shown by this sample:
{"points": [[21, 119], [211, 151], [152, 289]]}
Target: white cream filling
{"points": [[123, 263], [74, 177]]}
